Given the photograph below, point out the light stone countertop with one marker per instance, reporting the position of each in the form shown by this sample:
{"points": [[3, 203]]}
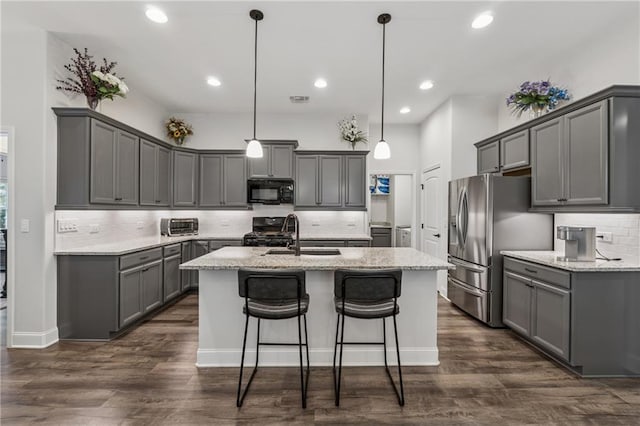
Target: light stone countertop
{"points": [[354, 258], [136, 244], [549, 258]]}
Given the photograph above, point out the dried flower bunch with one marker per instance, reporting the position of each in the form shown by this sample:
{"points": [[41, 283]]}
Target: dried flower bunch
{"points": [[178, 130], [537, 95], [93, 82], [349, 131]]}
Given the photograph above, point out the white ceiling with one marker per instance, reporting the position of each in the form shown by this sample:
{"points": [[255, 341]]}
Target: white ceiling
{"points": [[340, 41]]}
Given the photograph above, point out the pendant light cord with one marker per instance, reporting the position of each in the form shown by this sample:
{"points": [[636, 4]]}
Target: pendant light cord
{"points": [[384, 27], [255, 78]]}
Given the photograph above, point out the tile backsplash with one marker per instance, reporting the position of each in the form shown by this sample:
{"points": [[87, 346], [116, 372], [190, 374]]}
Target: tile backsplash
{"points": [[625, 230], [108, 226]]}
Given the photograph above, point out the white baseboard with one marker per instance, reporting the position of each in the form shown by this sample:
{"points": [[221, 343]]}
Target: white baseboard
{"points": [[32, 340], [289, 357]]}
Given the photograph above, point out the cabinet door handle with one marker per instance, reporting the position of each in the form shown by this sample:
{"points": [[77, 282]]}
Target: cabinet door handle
{"points": [[436, 235], [118, 199], [146, 269], [157, 201], [533, 271], [496, 168], [144, 257]]}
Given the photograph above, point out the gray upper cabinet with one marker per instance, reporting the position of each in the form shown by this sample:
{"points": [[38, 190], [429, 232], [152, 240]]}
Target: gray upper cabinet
{"points": [[155, 174], [547, 155], [514, 151], [276, 161], [330, 181], [211, 178], [489, 158], [306, 183], [355, 180], [114, 165], [185, 173], [235, 180], [570, 158], [223, 180]]}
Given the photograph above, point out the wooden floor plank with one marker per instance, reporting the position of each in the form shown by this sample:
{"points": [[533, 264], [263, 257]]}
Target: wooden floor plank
{"points": [[148, 376]]}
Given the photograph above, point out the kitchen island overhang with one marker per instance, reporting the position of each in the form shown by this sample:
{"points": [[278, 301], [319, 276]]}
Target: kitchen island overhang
{"points": [[221, 321]]}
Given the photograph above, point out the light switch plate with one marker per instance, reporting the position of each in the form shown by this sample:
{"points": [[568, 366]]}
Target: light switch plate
{"points": [[94, 228], [24, 225]]}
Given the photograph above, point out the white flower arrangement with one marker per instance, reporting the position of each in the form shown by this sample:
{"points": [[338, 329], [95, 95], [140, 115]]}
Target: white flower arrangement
{"points": [[109, 85], [349, 131]]}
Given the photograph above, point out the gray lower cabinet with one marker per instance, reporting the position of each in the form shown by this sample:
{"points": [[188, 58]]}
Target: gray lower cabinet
{"points": [[140, 291], [537, 305], [223, 180], [276, 161], [218, 244], [151, 276], [381, 237], [570, 158], [587, 320], [155, 174], [514, 151], [113, 165], [330, 181], [489, 158], [358, 243], [172, 286], [185, 179], [185, 276]]}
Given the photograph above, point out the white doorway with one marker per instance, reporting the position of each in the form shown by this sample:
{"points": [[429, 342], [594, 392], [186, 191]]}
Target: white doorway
{"points": [[6, 244], [432, 235], [397, 208]]}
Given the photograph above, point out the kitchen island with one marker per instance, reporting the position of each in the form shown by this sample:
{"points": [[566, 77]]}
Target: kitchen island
{"points": [[221, 321]]}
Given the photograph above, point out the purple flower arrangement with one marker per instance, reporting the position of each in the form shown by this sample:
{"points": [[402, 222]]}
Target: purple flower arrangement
{"points": [[537, 97]]}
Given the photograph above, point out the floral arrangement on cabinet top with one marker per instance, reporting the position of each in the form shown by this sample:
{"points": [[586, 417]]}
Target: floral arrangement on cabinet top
{"points": [[93, 82], [537, 97], [349, 131], [178, 130]]}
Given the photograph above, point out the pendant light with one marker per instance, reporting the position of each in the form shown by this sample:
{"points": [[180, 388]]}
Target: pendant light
{"points": [[254, 149], [382, 151]]}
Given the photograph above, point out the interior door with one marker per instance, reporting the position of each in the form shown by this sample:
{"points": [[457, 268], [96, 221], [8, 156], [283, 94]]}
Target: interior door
{"points": [[432, 226]]}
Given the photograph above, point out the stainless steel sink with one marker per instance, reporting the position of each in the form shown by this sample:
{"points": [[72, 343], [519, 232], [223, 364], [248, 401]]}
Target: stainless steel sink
{"points": [[309, 252]]}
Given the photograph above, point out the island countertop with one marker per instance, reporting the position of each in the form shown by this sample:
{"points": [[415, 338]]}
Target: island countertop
{"points": [[404, 258]]}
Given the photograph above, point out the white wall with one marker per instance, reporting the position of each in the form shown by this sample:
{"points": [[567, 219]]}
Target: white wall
{"points": [[32, 60], [404, 141], [473, 118], [611, 57], [229, 131]]}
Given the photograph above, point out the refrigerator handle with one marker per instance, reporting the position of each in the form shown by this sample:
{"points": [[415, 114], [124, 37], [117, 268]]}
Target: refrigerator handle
{"points": [[464, 220], [459, 222]]}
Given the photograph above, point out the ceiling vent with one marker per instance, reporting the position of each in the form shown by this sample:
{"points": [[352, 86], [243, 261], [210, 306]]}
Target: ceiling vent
{"points": [[299, 99]]}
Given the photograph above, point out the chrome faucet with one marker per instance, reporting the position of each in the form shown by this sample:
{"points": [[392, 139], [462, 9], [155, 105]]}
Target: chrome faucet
{"points": [[285, 225]]}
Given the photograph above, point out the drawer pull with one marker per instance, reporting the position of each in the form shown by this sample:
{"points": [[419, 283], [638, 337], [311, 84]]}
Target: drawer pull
{"points": [[144, 257], [533, 271], [118, 199]]}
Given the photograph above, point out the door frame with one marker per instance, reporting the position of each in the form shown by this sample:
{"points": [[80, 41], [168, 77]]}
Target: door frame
{"points": [[444, 232], [414, 198], [10, 243]]}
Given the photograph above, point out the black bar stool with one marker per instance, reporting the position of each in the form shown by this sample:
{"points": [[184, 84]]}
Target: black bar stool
{"points": [[273, 295], [367, 294]]}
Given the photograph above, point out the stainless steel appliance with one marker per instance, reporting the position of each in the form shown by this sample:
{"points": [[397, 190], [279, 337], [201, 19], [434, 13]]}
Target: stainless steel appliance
{"points": [[579, 243], [487, 214], [403, 236], [267, 232], [270, 191], [173, 227]]}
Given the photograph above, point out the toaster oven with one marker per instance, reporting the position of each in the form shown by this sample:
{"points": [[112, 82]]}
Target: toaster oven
{"points": [[173, 227]]}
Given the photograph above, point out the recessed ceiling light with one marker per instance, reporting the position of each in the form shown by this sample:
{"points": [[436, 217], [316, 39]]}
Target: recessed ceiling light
{"points": [[213, 81], [426, 85], [320, 83], [156, 15], [405, 110], [482, 20]]}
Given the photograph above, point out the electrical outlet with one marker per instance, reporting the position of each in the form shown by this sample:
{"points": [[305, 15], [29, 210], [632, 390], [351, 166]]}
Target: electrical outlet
{"points": [[64, 225], [139, 225], [606, 237], [94, 228]]}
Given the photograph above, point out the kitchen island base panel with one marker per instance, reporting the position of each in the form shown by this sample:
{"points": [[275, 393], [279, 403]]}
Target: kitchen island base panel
{"points": [[221, 325]]}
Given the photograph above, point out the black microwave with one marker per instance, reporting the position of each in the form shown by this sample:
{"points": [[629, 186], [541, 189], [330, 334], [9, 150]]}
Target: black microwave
{"points": [[270, 191]]}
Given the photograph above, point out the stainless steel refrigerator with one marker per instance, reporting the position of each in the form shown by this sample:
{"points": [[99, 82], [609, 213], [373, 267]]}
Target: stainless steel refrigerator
{"points": [[487, 214]]}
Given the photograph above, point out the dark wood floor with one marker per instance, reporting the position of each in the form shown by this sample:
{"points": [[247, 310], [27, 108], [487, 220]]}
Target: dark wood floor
{"points": [[486, 376]]}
